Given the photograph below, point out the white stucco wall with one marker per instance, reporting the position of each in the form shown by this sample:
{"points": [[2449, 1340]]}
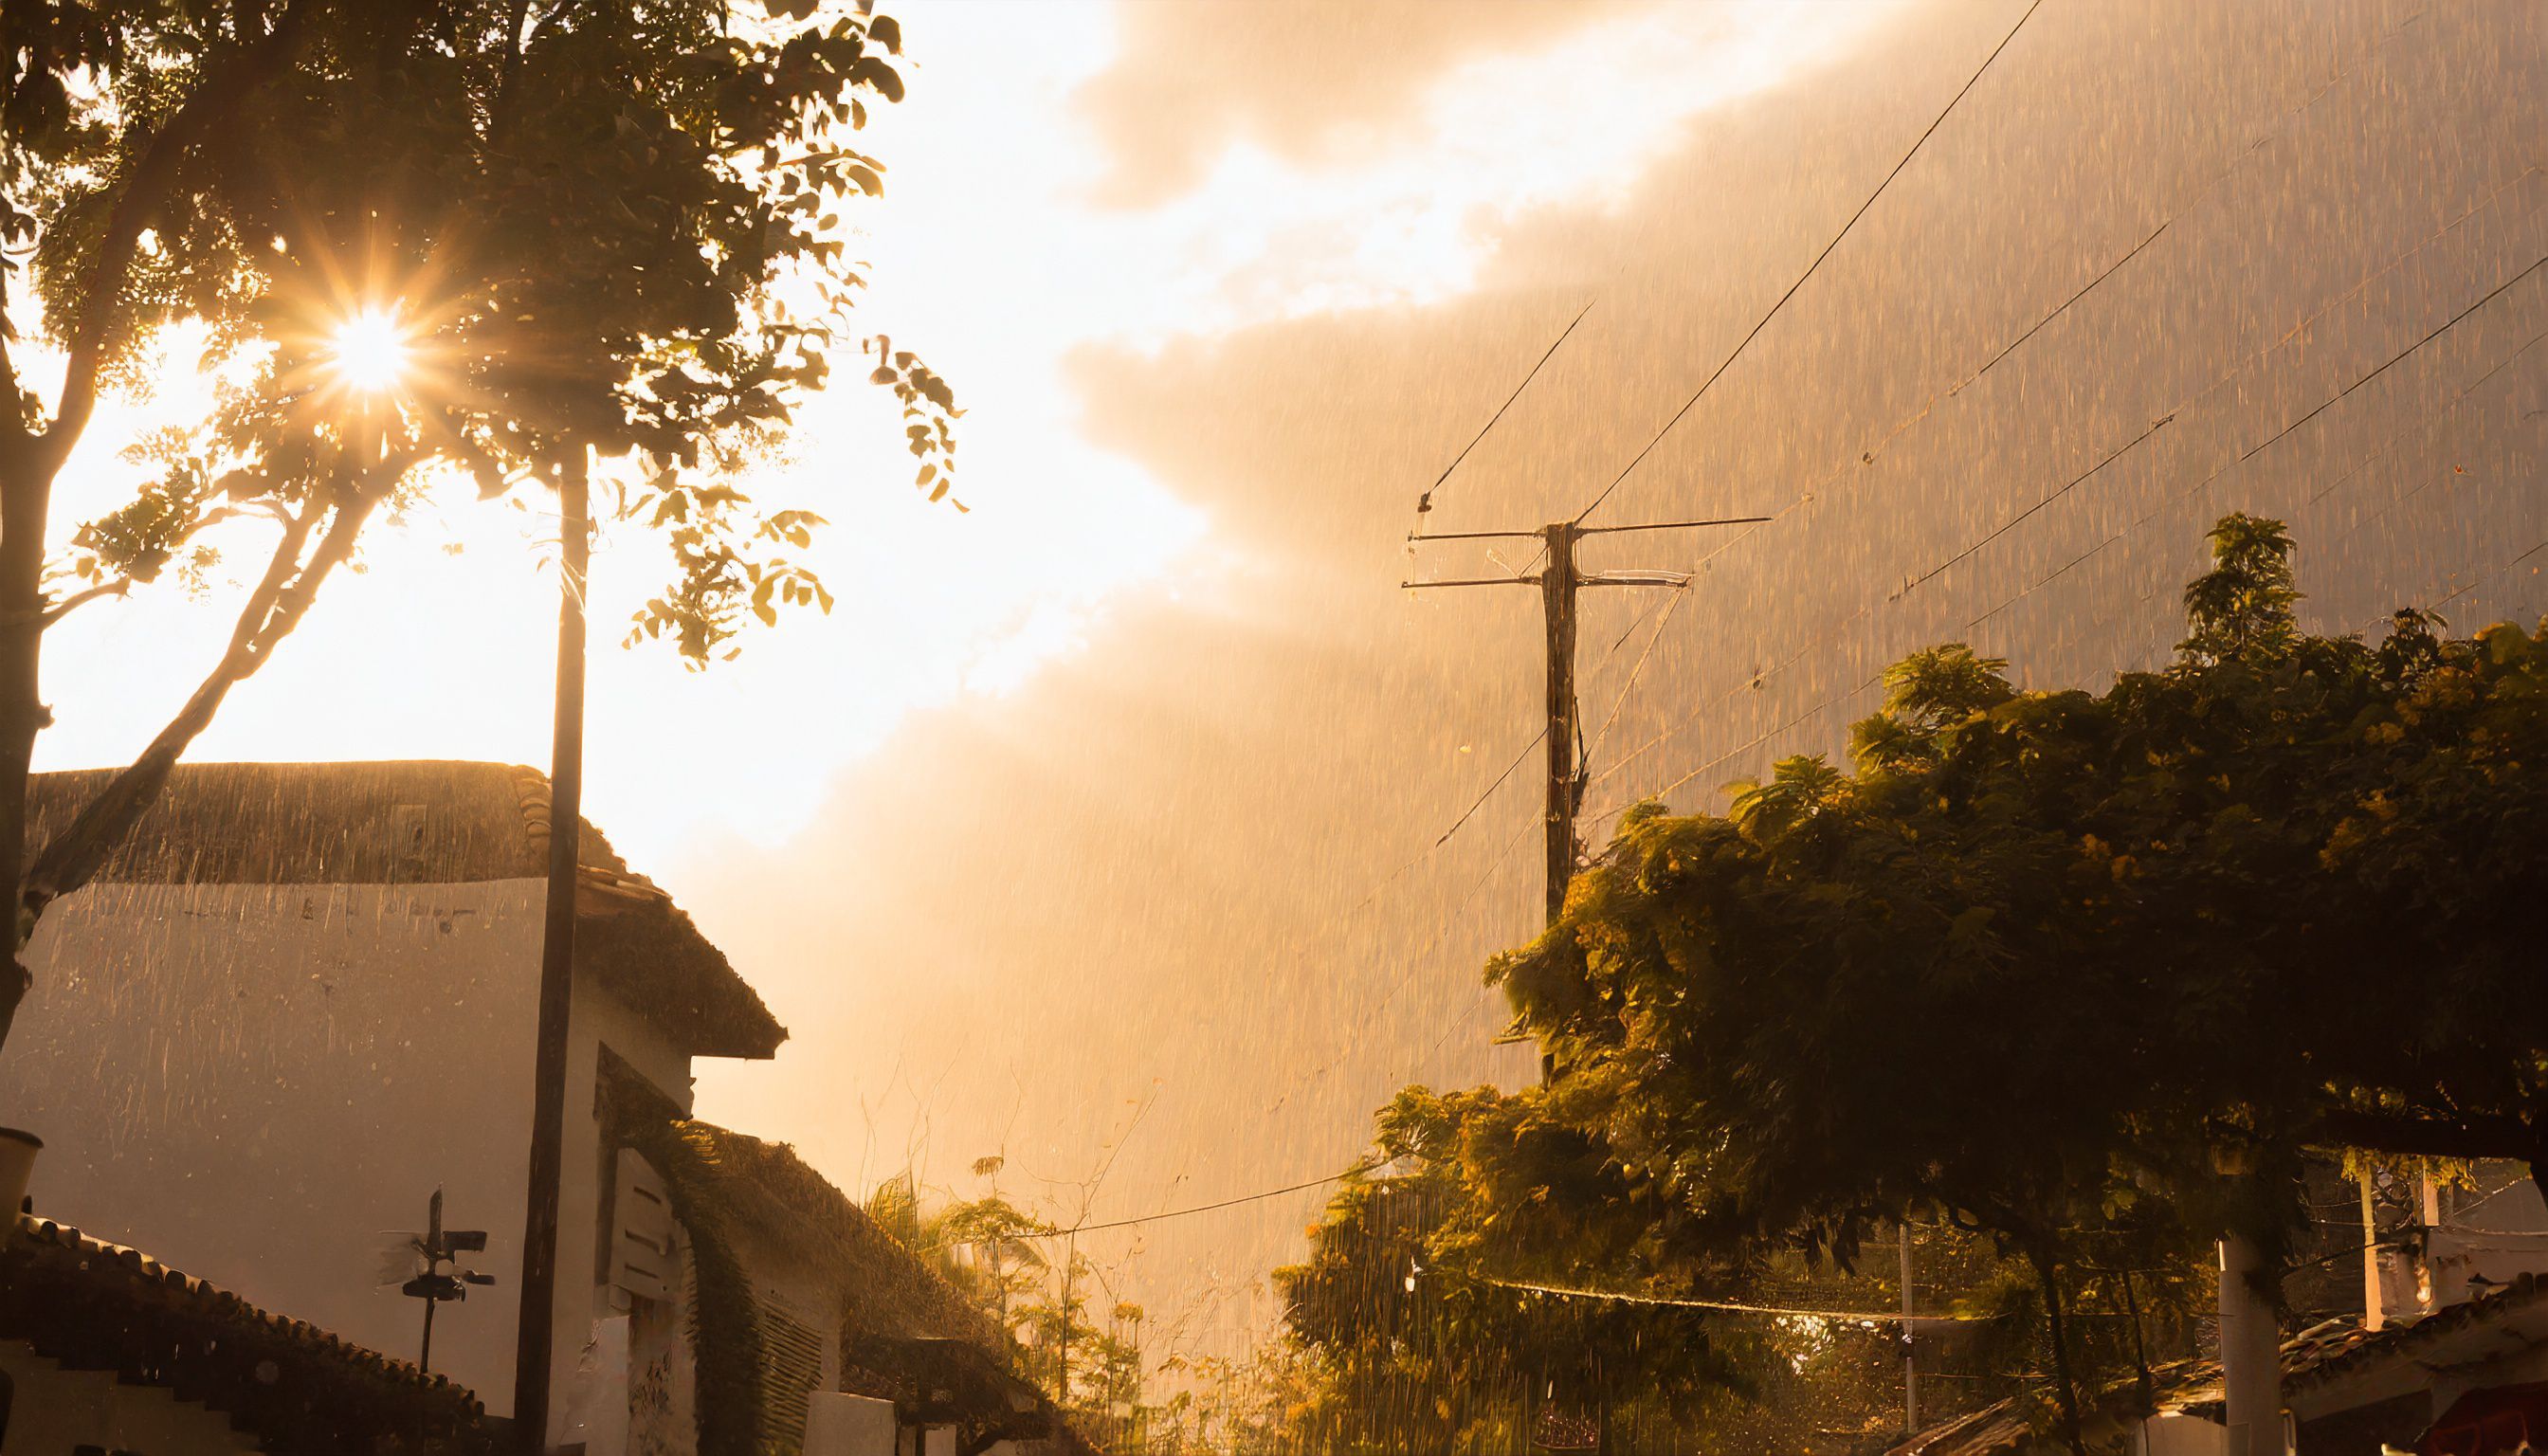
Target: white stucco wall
{"points": [[253, 1083]]}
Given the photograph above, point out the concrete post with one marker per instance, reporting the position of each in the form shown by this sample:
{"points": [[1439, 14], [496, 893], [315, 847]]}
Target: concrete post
{"points": [[2250, 1354]]}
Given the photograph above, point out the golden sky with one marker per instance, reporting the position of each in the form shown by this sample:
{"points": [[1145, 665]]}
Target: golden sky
{"points": [[1108, 807]]}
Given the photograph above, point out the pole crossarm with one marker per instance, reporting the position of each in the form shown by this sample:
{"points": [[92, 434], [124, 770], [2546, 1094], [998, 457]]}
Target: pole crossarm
{"points": [[1472, 535], [1637, 579], [1472, 581], [1671, 525], [1656, 525]]}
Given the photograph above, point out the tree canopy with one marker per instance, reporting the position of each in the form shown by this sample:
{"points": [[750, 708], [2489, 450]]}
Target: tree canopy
{"points": [[2047, 963], [592, 229]]}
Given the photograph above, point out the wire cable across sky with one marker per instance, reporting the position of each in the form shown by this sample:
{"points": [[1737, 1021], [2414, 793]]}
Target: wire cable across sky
{"points": [[1810, 268]]}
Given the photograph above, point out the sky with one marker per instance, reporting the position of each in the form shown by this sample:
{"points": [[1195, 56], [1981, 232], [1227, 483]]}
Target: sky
{"points": [[1098, 826]]}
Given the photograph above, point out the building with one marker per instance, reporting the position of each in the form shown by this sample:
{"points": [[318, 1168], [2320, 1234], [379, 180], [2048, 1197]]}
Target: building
{"points": [[105, 1348], [836, 1340], [300, 1000], [2449, 1358]]}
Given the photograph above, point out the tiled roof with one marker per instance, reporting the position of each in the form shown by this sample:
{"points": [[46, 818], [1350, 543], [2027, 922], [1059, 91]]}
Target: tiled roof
{"points": [[2190, 1387], [89, 1304], [426, 822], [2404, 1341], [2317, 1356]]}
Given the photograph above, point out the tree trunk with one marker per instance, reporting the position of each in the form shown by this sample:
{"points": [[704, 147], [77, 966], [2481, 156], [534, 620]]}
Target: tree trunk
{"points": [[26, 501], [2141, 1349], [2065, 1388], [29, 461], [2539, 1153]]}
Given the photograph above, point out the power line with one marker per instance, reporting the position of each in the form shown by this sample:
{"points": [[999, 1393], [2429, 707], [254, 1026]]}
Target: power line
{"points": [[1424, 502], [2445, 413], [1636, 671], [1733, 1307], [1810, 268], [1205, 1207], [2250, 454], [2014, 522], [2225, 377], [2199, 196], [1536, 740], [2491, 295]]}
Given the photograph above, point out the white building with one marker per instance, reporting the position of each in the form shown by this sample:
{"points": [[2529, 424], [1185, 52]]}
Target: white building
{"points": [[301, 999]]}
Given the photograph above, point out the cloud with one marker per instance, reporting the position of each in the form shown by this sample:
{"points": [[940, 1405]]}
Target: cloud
{"points": [[1198, 851], [1311, 81]]}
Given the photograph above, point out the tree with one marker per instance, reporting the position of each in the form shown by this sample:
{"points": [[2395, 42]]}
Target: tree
{"points": [[2048, 962], [1413, 1299], [596, 229]]}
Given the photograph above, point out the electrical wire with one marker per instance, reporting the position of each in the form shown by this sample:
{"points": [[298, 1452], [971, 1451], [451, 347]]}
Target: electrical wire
{"points": [[1425, 502], [2323, 406], [1813, 267], [1731, 1307], [1536, 740], [2198, 197], [2223, 378], [1357, 1169], [1846, 693], [1679, 594]]}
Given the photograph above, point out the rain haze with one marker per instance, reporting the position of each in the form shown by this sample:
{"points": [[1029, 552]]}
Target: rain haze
{"points": [[1139, 827]]}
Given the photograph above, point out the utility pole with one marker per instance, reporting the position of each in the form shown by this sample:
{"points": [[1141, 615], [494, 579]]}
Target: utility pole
{"points": [[1910, 1350], [1558, 582], [1556, 586], [535, 1335]]}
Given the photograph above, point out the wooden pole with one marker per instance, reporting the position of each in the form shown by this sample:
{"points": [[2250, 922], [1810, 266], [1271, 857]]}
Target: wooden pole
{"points": [[532, 1354], [1557, 585]]}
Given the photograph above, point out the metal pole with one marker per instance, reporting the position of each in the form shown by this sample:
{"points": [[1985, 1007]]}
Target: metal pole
{"points": [[532, 1349], [1910, 1358]]}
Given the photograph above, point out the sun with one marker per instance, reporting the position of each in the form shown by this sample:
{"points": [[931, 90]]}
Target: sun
{"points": [[369, 351]]}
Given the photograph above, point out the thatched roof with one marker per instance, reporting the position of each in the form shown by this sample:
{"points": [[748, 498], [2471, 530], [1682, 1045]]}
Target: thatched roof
{"points": [[893, 1294], [96, 1306], [425, 822]]}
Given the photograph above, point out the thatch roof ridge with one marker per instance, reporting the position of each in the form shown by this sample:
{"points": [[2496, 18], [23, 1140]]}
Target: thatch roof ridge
{"points": [[426, 821], [892, 1289]]}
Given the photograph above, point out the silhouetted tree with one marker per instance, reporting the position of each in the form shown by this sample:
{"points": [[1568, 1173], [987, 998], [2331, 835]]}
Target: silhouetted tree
{"points": [[601, 225]]}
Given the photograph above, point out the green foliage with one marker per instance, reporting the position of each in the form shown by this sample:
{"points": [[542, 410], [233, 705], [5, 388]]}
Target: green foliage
{"points": [[726, 1328], [2242, 608], [616, 226], [2046, 961], [1407, 1303]]}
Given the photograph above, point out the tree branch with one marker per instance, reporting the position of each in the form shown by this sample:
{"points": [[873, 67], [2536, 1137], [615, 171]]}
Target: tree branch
{"points": [[53, 613], [210, 108], [16, 429], [121, 586], [274, 609], [2413, 1136]]}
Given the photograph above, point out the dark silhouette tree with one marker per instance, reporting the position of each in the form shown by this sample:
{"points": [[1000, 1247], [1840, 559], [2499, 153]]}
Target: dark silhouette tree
{"points": [[594, 228], [2048, 962]]}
